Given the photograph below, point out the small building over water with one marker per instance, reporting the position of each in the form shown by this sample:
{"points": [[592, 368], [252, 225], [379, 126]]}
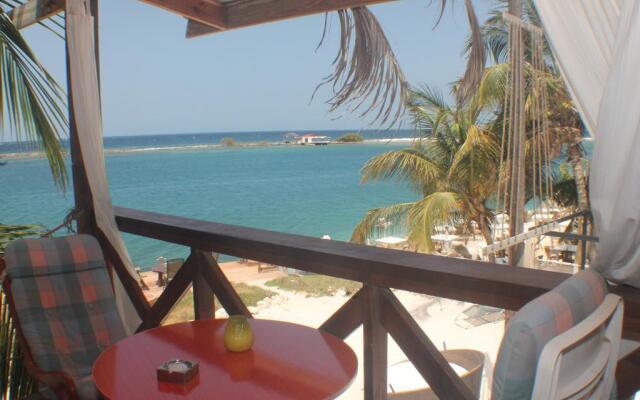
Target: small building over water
{"points": [[312, 138]]}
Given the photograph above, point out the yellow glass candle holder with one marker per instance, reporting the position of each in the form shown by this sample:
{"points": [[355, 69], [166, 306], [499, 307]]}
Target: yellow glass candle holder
{"points": [[238, 336]]}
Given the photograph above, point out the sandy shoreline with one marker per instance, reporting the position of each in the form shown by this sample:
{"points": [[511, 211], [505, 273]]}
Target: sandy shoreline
{"points": [[195, 147]]}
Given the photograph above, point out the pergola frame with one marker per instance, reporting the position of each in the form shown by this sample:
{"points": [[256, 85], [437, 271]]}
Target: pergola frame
{"points": [[207, 16], [375, 306]]}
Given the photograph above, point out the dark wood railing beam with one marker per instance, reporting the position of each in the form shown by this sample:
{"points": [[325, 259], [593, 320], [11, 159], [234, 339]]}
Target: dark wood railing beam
{"points": [[374, 306], [467, 280], [459, 279]]}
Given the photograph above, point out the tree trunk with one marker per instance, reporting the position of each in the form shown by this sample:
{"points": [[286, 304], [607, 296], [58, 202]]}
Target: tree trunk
{"points": [[575, 158], [488, 237]]}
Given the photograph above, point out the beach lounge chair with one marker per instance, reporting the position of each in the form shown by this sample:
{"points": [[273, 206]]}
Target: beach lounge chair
{"points": [[60, 296], [173, 266], [562, 345]]}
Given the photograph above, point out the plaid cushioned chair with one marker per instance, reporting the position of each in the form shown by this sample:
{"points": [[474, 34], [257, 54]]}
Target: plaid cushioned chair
{"points": [[562, 345], [62, 300]]}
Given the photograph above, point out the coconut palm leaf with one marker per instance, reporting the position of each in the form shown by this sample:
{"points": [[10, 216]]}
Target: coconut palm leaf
{"points": [[454, 169], [32, 104], [476, 162], [440, 208], [411, 165], [363, 230], [476, 59], [367, 77]]}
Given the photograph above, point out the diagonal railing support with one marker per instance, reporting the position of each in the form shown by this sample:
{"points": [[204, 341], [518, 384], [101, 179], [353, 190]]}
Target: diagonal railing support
{"points": [[417, 346], [348, 317], [130, 285], [171, 294], [218, 282]]}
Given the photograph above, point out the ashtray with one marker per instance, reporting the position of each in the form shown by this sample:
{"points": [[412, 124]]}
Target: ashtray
{"points": [[177, 371]]}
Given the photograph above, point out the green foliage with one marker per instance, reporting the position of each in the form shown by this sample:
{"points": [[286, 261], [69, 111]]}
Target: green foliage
{"points": [[12, 232], [314, 285], [228, 142], [15, 382], [350, 138], [564, 188], [453, 167], [32, 104]]}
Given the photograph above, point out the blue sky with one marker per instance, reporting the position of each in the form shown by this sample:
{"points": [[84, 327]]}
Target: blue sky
{"points": [[261, 78]]}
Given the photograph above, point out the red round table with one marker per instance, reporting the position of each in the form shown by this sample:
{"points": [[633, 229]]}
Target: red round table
{"points": [[287, 361]]}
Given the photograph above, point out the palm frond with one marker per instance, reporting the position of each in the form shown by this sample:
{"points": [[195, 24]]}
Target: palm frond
{"points": [[367, 225], [476, 60], [367, 77], [491, 93], [428, 109], [440, 208], [411, 165], [476, 162], [31, 102]]}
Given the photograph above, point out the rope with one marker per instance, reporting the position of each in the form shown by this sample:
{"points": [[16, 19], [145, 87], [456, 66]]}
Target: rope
{"points": [[67, 222], [524, 109]]}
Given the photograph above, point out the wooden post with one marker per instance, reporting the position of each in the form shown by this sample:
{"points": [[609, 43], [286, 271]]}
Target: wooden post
{"points": [[203, 298], [85, 221], [375, 346]]}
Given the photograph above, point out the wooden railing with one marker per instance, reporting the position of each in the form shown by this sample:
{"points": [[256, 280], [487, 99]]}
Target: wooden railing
{"points": [[374, 306]]}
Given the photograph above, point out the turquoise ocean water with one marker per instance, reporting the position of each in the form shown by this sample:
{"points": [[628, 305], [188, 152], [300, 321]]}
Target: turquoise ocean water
{"points": [[297, 189]]}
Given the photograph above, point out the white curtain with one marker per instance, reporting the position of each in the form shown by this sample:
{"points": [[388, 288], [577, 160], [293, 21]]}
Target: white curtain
{"points": [[88, 119], [597, 45]]}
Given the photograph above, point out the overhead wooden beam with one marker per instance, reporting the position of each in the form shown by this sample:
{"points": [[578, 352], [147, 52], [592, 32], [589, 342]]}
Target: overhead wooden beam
{"points": [[209, 13], [35, 11], [243, 14], [195, 29]]}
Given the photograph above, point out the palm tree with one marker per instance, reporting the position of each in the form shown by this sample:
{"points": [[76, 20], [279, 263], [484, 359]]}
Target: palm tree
{"points": [[452, 166], [565, 124], [32, 104]]}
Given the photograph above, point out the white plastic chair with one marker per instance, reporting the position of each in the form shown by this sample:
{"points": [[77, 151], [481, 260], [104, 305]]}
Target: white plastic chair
{"points": [[581, 362]]}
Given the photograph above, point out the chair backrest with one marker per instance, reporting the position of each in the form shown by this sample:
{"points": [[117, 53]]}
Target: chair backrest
{"points": [[559, 311], [581, 363], [173, 266], [62, 296]]}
